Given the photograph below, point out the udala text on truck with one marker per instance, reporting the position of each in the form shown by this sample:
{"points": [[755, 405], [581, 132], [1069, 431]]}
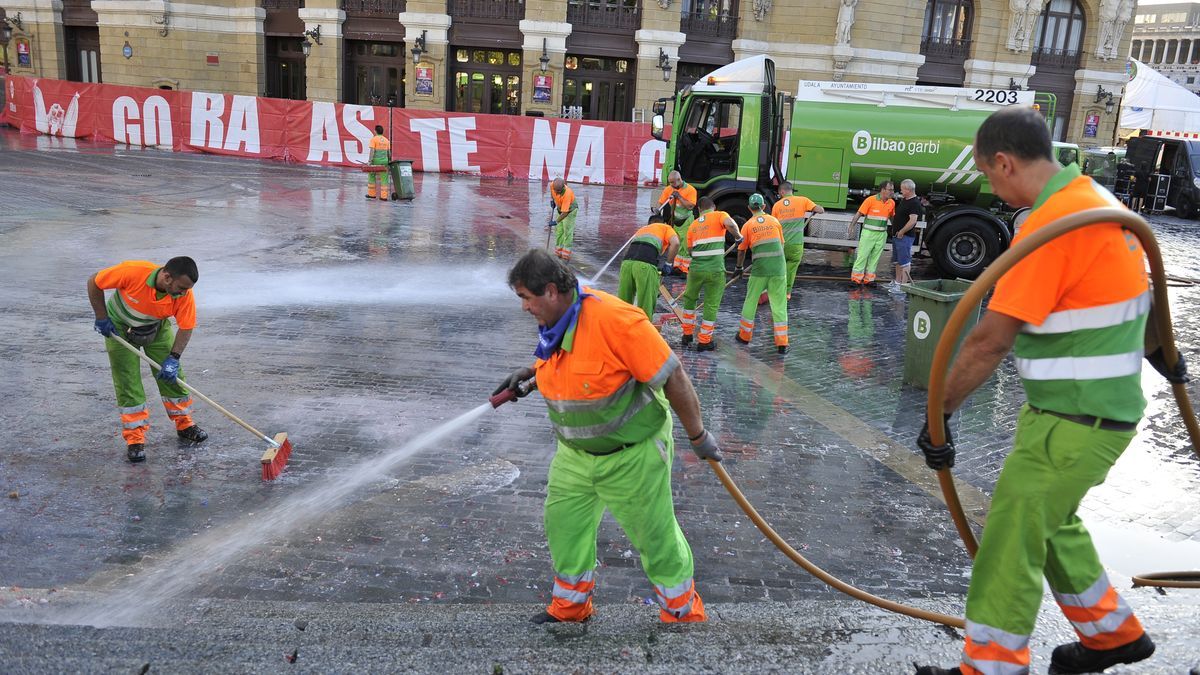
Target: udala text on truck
{"points": [[731, 137]]}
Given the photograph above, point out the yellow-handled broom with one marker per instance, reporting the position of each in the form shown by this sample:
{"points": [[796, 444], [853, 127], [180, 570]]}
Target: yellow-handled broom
{"points": [[279, 448]]}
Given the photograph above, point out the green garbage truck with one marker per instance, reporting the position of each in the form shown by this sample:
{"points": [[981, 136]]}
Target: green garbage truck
{"points": [[733, 135]]}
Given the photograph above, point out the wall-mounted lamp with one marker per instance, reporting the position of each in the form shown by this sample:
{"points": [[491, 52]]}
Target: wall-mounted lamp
{"points": [[16, 21], [1106, 97], [419, 48], [664, 62], [1013, 86], [306, 46], [544, 59], [165, 22], [5, 33]]}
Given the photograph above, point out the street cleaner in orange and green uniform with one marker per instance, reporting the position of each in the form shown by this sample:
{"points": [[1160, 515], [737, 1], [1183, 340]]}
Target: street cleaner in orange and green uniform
{"points": [[641, 269], [706, 241], [677, 203], [793, 212], [565, 208], [875, 212], [1074, 312], [608, 378], [763, 236], [145, 296], [379, 183]]}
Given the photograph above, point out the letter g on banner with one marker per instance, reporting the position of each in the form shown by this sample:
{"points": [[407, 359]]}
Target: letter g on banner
{"points": [[861, 142]]}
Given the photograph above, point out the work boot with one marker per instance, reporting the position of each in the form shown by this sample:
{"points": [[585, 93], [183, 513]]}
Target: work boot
{"points": [[193, 434], [782, 349], [1075, 658], [934, 670], [545, 617], [739, 339], [135, 452], [685, 340], [706, 346]]}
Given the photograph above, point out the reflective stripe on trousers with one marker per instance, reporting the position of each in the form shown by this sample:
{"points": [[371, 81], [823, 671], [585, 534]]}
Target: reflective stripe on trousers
{"points": [[1100, 616], [571, 599], [689, 321], [991, 651], [680, 602]]}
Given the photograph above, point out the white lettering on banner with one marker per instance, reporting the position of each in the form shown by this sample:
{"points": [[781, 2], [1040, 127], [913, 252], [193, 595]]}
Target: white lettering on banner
{"points": [[155, 115], [548, 154], [324, 140], [207, 128], [358, 150], [650, 161], [243, 125], [587, 162], [428, 128], [460, 147]]}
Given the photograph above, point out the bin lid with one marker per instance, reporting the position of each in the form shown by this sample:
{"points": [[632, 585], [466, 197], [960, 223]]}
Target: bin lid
{"points": [[941, 290]]}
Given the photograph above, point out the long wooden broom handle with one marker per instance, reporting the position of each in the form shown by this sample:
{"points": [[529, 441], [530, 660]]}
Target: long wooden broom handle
{"points": [[121, 341]]}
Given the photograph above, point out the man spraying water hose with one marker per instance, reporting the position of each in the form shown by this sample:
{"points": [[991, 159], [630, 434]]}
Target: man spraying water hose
{"points": [[1075, 310], [564, 209], [607, 377], [145, 296]]}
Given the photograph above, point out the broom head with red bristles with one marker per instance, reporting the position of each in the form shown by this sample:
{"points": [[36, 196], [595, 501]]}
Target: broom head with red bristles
{"points": [[276, 457]]}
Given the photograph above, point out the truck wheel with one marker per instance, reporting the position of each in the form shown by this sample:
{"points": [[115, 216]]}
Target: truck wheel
{"points": [[1184, 208], [963, 247]]}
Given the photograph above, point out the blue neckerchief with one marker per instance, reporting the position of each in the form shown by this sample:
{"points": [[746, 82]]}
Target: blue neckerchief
{"points": [[550, 338]]}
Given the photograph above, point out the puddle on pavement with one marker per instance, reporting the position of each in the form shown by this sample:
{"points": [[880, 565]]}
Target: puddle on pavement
{"points": [[1132, 551]]}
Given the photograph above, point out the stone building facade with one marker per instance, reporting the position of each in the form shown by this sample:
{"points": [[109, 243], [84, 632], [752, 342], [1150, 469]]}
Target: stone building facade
{"points": [[1167, 38], [598, 59]]}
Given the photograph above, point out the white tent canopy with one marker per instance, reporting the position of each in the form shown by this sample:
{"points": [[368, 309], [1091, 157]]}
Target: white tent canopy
{"points": [[1152, 101]]}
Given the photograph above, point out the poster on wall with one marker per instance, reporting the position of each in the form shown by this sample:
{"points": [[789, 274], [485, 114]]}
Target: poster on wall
{"points": [[24, 54], [425, 81], [541, 88], [1090, 125]]}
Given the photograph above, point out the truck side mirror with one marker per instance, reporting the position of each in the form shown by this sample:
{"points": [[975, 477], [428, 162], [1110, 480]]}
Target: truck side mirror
{"points": [[659, 107], [656, 127]]}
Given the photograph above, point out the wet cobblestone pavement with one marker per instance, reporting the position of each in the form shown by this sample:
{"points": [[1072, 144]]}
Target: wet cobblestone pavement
{"points": [[355, 326]]}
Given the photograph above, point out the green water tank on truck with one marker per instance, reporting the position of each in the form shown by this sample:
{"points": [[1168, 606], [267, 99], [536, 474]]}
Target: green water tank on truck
{"points": [[732, 136]]}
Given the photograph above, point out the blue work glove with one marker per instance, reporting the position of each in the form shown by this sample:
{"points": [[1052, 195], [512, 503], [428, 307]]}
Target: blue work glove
{"points": [[551, 222], [105, 327], [1177, 376], [665, 268], [706, 447], [937, 457], [169, 370]]}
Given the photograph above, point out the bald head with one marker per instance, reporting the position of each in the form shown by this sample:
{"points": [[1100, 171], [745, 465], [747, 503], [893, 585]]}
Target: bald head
{"points": [[674, 179], [559, 185]]}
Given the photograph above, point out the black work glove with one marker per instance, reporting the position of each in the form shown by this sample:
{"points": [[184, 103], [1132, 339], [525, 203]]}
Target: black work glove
{"points": [[937, 457], [705, 447], [512, 381], [665, 268], [1178, 375]]}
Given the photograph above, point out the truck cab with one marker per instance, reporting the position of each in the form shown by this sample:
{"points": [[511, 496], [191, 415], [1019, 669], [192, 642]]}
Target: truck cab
{"points": [[735, 133], [1176, 158]]}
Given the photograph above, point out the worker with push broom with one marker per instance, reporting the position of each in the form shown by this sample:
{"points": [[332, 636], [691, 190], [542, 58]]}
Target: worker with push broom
{"points": [[146, 295], [763, 237], [706, 241], [1074, 311], [641, 268], [607, 377]]}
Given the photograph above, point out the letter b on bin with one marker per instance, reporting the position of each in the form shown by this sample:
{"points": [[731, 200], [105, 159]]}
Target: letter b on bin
{"points": [[930, 304], [402, 178]]}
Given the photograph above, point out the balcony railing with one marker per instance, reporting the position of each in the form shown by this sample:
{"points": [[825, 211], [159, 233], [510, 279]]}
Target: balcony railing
{"points": [[282, 4], [382, 8], [503, 10], [711, 20], [622, 14], [951, 50], [1060, 59]]}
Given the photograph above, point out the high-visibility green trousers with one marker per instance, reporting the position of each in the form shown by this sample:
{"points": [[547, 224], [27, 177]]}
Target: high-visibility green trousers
{"points": [[712, 284], [639, 281], [870, 247], [634, 484], [683, 257], [792, 255], [564, 236], [131, 396], [777, 295], [1033, 531], [379, 183]]}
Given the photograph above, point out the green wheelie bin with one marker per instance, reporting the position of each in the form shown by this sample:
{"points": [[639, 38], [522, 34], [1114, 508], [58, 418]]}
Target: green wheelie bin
{"points": [[930, 304], [401, 171]]}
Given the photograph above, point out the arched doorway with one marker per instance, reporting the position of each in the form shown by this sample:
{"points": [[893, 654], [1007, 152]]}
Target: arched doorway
{"points": [[1056, 55]]}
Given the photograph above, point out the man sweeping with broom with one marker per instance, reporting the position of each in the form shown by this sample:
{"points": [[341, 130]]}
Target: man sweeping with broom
{"points": [[145, 296]]}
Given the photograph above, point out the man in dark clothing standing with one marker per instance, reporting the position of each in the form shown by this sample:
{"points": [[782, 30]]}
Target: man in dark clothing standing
{"points": [[909, 210]]}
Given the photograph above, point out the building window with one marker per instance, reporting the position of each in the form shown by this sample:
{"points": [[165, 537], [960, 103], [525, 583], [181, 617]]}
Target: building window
{"points": [[713, 18], [486, 81], [1056, 55], [946, 42], [601, 87], [687, 74], [1060, 30], [374, 73], [285, 68]]}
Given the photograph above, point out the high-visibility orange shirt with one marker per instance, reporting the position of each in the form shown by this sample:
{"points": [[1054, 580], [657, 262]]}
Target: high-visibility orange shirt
{"points": [[794, 207], [564, 202], [877, 212], [661, 232], [687, 192], [612, 342], [760, 229], [134, 284], [380, 142]]}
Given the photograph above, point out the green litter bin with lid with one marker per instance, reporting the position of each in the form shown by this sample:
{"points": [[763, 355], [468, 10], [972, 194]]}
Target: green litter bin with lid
{"points": [[930, 304], [402, 178]]}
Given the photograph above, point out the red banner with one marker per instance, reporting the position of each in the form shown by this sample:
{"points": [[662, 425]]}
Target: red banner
{"points": [[337, 134]]}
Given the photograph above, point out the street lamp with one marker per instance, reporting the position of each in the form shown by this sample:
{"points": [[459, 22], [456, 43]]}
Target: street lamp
{"points": [[419, 48], [664, 62], [1106, 96], [315, 34], [5, 36], [544, 59]]}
